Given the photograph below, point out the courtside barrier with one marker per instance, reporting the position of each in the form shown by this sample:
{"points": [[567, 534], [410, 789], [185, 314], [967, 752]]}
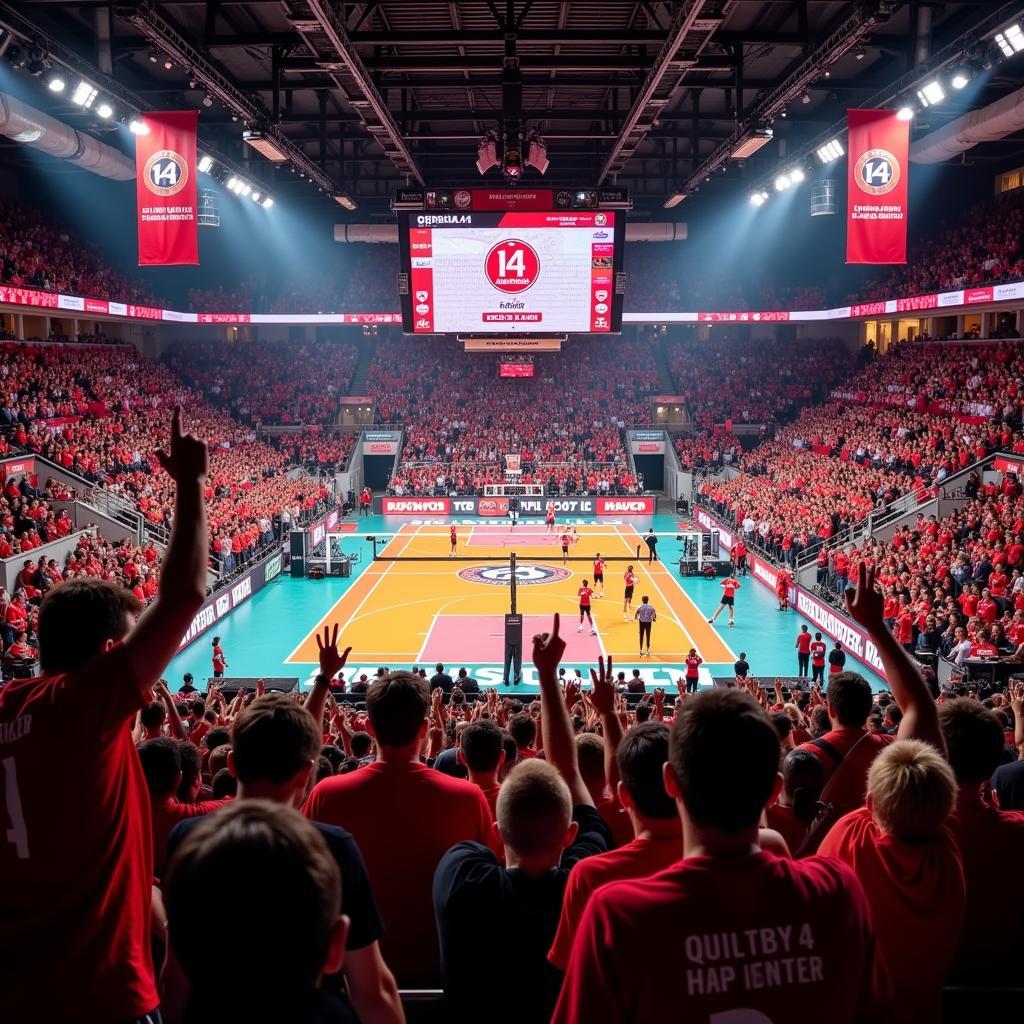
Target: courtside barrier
{"points": [[498, 507]]}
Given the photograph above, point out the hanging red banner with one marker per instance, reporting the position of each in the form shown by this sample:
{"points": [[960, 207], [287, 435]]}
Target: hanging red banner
{"points": [[876, 203], [166, 189]]}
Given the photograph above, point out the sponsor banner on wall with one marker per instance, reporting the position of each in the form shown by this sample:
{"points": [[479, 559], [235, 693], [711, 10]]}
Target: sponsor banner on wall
{"points": [[231, 596], [823, 616], [17, 467], [647, 447], [477, 505], [319, 529], [166, 190], [876, 206], [380, 447]]}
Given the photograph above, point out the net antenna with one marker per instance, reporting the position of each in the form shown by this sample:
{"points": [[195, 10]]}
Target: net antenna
{"points": [[512, 580]]}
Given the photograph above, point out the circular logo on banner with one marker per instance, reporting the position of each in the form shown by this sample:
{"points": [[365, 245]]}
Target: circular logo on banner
{"points": [[512, 266], [166, 173], [877, 172], [463, 199], [526, 575]]}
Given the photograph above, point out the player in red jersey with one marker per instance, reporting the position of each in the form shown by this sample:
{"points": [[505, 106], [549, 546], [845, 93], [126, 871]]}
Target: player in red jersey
{"points": [[565, 541], [77, 885], [782, 590], [629, 579], [585, 594], [453, 535], [599, 572], [729, 587], [549, 517], [219, 661]]}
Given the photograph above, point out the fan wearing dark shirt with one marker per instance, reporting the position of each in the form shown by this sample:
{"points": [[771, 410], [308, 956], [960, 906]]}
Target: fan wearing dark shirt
{"points": [[546, 822], [274, 747]]}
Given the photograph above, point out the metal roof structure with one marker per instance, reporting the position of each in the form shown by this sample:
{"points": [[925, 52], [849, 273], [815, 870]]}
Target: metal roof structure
{"points": [[366, 97]]}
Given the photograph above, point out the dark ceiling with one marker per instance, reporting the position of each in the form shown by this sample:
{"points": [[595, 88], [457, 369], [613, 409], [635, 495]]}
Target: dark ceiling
{"points": [[642, 94]]}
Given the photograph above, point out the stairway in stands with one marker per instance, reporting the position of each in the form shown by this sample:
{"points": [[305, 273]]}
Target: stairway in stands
{"points": [[361, 376]]}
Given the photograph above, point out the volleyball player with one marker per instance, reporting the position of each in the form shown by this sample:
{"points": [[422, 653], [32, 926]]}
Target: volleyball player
{"points": [[454, 539], [629, 578], [565, 540], [729, 587], [219, 661], [585, 594], [599, 572], [549, 517]]}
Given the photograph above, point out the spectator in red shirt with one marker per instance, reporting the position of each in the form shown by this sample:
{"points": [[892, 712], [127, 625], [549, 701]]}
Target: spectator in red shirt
{"points": [[99, 667], [906, 856], [432, 813]]}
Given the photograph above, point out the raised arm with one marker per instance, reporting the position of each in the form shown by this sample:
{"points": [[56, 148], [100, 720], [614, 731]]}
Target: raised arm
{"points": [[555, 727], [157, 634], [603, 697], [920, 717], [331, 663], [174, 726]]}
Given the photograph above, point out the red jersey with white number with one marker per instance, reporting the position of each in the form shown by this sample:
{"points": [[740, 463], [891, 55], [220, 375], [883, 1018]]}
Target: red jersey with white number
{"points": [[754, 938], [584, 595], [599, 567], [693, 663], [219, 664], [730, 586], [629, 578], [76, 855]]}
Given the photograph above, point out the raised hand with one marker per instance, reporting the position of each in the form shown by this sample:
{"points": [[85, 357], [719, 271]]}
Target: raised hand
{"points": [[548, 649], [189, 458], [603, 693], [331, 662], [866, 604]]}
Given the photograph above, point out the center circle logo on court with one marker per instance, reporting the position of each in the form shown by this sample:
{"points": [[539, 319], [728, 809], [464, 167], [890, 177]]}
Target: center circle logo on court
{"points": [[526, 575]]}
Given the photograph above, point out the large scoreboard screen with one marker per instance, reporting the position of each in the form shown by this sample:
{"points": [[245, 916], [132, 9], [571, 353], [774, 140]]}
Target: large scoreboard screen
{"points": [[512, 271]]}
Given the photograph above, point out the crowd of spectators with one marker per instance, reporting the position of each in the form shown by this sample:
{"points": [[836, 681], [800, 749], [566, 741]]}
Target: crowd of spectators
{"points": [[461, 419], [269, 383], [37, 252], [788, 849]]}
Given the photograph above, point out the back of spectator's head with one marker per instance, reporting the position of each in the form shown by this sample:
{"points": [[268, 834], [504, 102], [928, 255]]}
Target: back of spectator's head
{"points": [[81, 617], [270, 849], [322, 769], [191, 771], [642, 712], [333, 753], [274, 740], [974, 740], [820, 722], [362, 745], [590, 753], [534, 810], [397, 707], [224, 784], [218, 759], [523, 729], [511, 748], [911, 790], [803, 778], [153, 715], [641, 757], [849, 699], [197, 708], [481, 747], [783, 724], [724, 758], [216, 737], [161, 765]]}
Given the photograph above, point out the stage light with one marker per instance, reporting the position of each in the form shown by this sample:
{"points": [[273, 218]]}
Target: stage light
{"points": [[757, 198], [267, 203], [84, 95], [905, 113], [265, 145], [205, 163], [105, 110], [154, 57], [782, 182], [137, 127], [56, 84], [859, 53], [960, 79], [1010, 40], [207, 100], [168, 64], [796, 175], [931, 93], [830, 151], [805, 97], [675, 199], [256, 197], [232, 183], [345, 200]]}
